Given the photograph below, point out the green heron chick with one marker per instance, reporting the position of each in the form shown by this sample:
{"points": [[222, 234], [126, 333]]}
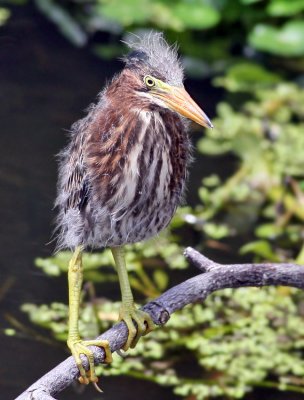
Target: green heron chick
{"points": [[123, 174]]}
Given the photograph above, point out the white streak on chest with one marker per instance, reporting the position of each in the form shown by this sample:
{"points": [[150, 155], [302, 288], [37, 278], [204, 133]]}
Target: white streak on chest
{"points": [[166, 168], [126, 193]]}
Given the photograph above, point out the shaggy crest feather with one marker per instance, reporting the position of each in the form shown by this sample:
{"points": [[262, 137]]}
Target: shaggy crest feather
{"points": [[160, 55]]}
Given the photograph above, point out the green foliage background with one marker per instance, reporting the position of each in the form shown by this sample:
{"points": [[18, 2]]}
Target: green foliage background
{"points": [[238, 339]]}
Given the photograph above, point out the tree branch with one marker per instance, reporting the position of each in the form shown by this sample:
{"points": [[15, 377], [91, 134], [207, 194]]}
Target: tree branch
{"points": [[214, 277]]}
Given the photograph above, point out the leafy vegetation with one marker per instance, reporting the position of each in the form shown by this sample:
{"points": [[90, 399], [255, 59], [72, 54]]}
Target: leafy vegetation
{"points": [[265, 194], [238, 339]]}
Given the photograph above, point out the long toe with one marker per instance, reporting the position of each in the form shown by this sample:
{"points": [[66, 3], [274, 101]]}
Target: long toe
{"points": [[139, 318], [138, 323], [104, 344], [79, 347], [149, 324], [132, 332]]}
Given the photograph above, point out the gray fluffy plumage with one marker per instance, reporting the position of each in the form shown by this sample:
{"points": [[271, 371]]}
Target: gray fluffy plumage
{"points": [[161, 56]]}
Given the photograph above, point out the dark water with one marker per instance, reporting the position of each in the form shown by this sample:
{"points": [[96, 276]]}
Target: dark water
{"points": [[44, 85]]}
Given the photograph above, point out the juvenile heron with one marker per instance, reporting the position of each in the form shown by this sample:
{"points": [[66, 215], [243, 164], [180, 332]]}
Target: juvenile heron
{"points": [[123, 174]]}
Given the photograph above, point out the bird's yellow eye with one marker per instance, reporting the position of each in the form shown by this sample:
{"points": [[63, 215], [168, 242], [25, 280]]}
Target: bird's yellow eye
{"points": [[149, 81]]}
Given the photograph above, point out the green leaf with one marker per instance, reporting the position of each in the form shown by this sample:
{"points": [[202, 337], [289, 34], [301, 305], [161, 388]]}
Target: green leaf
{"points": [[209, 146], [196, 16], [4, 15], [283, 8], [211, 180], [48, 266], [216, 231], [261, 248], [246, 76], [9, 332], [285, 41], [269, 231], [127, 12], [161, 279]]}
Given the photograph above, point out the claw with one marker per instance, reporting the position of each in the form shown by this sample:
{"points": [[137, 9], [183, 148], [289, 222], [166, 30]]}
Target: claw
{"points": [[97, 387], [144, 323], [79, 347], [121, 353]]}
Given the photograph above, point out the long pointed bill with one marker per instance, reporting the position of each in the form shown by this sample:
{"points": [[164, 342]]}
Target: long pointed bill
{"points": [[177, 99]]}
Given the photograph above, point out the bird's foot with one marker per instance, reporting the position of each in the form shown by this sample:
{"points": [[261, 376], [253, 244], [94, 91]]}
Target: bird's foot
{"points": [[79, 347], [144, 324]]}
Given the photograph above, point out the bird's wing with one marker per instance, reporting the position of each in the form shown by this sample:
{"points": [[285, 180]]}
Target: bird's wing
{"points": [[76, 187]]}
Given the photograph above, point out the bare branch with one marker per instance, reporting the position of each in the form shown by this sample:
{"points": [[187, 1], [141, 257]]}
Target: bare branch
{"points": [[214, 277]]}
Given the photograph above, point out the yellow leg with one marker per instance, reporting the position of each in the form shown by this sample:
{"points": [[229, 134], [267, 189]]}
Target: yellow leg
{"points": [[128, 312], [75, 344]]}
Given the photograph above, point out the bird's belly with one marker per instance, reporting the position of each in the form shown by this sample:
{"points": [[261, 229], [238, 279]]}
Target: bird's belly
{"points": [[139, 213], [145, 190], [143, 206], [143, 224]]}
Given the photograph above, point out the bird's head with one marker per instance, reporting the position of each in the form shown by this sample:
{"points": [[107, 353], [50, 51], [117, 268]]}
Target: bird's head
{"points": [[158, 77]]}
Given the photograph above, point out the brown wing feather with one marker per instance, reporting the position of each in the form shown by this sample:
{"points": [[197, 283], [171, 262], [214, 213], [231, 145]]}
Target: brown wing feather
{"points": [[77, 187]]}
